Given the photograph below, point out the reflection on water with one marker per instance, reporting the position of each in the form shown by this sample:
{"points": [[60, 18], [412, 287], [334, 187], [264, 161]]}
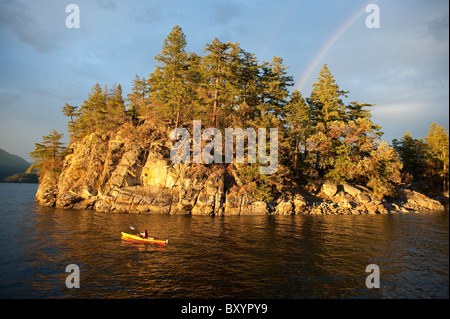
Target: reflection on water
{"points": [[222, 257]]}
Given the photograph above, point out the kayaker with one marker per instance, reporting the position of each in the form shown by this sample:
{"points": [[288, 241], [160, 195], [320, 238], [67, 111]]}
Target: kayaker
{"points": [[144, 234]]}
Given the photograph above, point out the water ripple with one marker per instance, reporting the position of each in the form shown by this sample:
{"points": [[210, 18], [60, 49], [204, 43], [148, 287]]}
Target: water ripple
{"points": [[226, 257]]}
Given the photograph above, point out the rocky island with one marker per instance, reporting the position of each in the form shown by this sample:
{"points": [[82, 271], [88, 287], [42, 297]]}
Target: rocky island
{"points": [[329, 153], [119, 175]]}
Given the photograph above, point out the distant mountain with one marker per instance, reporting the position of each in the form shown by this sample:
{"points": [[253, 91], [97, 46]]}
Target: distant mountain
{"points": [[11, 164]]}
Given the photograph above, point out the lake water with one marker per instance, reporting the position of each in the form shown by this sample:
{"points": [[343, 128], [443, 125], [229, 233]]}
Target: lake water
{"points": [[218, 257]]}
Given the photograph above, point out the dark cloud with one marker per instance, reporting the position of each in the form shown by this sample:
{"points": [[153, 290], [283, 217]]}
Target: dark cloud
{"points": [[401, 67], [37, 24], [438, 27]]}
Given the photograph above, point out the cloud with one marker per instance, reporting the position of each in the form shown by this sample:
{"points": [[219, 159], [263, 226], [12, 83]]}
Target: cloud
{"points": [[107, 4], [151, 13], [438, 27], [224, 12], [401, 67], [39, 24]]}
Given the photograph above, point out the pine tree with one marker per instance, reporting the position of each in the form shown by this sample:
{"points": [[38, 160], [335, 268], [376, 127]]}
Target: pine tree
{"points": [[247, 84], [102, 112], [221, 66], [72, 112], [344, 144], [138, 100], [53, 144], [381, 170], [115, 109], [92, 112], [413, 154], [326, 99], [438, 143], [169, 83], [274, 86], [297, 115], [248, 77], [48, 155], [328, 117]]}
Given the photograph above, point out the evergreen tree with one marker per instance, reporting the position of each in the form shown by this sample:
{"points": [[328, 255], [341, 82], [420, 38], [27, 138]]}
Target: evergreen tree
{"points": [[438, 144], [413, 154], [297, 115], [72, 112], [274, 86], [169, 83], [115, 109], [328, 117], [48, 155], [221, 66], [344, 144], [247, 90], [248, 77], [195, 83], [138, 100], [92, 112], [102, 112], [326, 100], [381, 170]]}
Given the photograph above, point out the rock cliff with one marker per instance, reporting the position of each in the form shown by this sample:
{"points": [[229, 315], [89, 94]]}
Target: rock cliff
{"points": [[119, 173]]}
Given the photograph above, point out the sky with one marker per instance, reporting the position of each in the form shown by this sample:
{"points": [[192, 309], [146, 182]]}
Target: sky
{"points": [[402, 67]]}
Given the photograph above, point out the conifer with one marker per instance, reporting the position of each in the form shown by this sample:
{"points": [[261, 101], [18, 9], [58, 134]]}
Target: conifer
{"points": [[169, 83]]}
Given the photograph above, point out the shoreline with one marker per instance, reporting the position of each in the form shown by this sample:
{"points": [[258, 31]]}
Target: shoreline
{"points": [[117, 174], [330, 199]]}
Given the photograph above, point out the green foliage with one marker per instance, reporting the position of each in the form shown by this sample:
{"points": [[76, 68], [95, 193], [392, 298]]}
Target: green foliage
{"points": [[336, 141], [169, 83], [438, 144], [102, 112], [413, 153], [72, 112], [48, 155], [319, 137], [326, 99], [381, 170], [274, 84], [260, 185], [221, 71], [425, 159]]}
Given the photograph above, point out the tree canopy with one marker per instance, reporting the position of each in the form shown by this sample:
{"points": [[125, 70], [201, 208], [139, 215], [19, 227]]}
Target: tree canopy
{"points": [[48, 155], [320, 136], [425, 160]]}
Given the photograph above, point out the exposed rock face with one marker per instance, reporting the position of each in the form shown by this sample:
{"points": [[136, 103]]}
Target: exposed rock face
{"points": [[329, 188], [333, 199], [118, 175]]}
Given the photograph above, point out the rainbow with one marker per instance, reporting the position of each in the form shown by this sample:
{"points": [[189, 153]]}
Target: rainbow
{"points": [[305, 75]]}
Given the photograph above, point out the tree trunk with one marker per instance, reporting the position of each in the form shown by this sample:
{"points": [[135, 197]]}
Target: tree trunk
{"points": [[216, 101], [178, 118], [445, 186]]}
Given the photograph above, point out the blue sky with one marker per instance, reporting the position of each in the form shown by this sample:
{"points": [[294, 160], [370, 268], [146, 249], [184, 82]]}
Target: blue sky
{"points": [[402, 67]]}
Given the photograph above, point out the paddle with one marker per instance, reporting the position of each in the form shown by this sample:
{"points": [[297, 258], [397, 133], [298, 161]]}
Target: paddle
{"points": [[131, 227]]}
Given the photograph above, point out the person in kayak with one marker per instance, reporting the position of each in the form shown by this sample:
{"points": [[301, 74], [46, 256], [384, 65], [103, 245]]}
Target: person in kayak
{"points": [[144, 234]]}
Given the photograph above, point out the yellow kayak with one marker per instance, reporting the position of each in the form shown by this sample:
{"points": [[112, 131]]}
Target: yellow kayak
{"points": [[145, 240]]}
